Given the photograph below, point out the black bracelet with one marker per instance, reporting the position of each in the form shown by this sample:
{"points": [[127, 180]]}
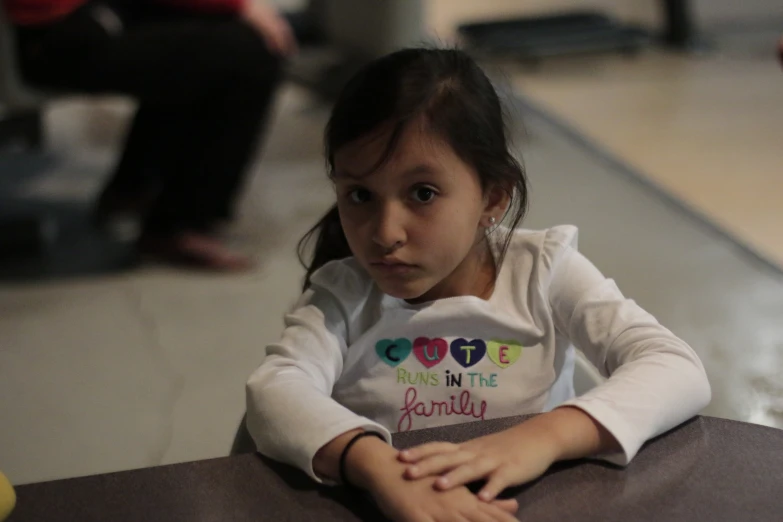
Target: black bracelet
{"points": [[344, 455]]}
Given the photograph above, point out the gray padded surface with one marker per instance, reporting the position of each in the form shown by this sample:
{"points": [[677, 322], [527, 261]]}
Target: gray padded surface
{"points": [[708, 469]]}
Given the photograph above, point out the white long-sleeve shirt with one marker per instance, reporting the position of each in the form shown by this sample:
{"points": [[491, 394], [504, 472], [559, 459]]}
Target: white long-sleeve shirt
{"points": [[352, 357]]}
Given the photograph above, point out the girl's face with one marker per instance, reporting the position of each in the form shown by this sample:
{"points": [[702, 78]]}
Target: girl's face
{"points": [[416, 224]]}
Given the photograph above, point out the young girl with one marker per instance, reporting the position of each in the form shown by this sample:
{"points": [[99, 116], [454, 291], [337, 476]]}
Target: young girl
{"points": [[421, 310]]}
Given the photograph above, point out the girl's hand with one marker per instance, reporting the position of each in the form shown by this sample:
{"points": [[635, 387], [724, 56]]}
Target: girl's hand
{"points": [[500, 458], [373, 465], [511, 457], [418, 501]]}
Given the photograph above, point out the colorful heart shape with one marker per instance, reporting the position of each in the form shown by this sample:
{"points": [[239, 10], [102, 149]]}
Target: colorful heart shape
{"points": [[467, 353], [504, 353], [430, 351], [393, 351]]}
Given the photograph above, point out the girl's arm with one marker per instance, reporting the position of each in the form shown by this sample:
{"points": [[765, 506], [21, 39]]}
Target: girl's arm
{"points": [[290, 412], [656, 383], [366, 455]]}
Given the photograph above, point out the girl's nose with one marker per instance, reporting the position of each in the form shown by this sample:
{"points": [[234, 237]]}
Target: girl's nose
{"points": [[389, 230]]}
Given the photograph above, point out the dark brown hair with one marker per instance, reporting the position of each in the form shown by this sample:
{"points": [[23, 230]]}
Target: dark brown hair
{"points": [[460, 106]]}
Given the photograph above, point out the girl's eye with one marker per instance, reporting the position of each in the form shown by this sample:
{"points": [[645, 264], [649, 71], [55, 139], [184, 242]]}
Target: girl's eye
{"points": [[424, 194], [359, 195]]}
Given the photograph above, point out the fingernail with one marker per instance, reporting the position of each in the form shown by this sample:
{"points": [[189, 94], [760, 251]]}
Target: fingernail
{"points": [[413, 471], [484, 495], [443, 481]]}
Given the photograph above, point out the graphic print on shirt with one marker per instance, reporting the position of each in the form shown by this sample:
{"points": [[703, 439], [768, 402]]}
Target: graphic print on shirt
{"points": [[393, 351], [422, 371]]}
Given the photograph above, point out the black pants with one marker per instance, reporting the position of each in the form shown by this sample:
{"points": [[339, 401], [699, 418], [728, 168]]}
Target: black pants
{"points": [[204, 86]]}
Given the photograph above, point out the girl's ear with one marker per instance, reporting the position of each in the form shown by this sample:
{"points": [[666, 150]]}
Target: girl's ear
{"points": [[496, 201]]}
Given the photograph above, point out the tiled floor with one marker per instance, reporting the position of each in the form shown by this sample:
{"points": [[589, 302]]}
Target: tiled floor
{"points": [[148, 367], [708, 129]]}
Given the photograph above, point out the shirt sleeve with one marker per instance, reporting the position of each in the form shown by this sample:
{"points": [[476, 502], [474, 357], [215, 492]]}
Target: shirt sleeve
{"points": [[290, 411], [656, 381]]}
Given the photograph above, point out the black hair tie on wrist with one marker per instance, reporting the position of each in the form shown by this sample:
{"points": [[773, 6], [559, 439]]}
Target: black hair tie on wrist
{"points": [[344, 455]]}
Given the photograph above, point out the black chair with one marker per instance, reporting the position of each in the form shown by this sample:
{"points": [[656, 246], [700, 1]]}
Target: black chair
{"points": [[537, 37]]}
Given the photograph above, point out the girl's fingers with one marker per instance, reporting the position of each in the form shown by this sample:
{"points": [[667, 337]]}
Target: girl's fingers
{"points": [[481, 514], [509, 505], [501, 515], [467, 472], [427, 450], [497, 482], [490, 513], [438, 464]]}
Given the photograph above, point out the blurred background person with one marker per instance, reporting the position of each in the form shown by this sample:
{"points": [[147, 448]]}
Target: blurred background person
{"points": [[204, 74]]}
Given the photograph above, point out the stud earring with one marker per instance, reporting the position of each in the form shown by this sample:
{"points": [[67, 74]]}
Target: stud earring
{"points": [[492, 220]]}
